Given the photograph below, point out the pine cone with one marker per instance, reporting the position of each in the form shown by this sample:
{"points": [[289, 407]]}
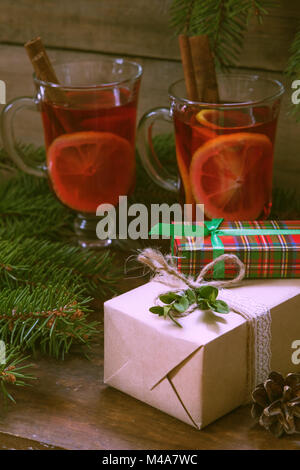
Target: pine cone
{"points": [[277, 404]]}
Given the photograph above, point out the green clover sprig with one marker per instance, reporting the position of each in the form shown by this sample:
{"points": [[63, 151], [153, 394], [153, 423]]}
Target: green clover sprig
{"points": [[177, 303]]}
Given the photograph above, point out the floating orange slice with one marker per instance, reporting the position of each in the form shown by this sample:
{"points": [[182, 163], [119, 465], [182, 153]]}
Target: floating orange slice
{"points": [[226, 119], [90, 168], [231, 175], [184, 173]]}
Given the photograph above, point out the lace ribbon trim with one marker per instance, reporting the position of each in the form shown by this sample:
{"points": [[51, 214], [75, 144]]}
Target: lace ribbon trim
{"points": [[259, 321]]}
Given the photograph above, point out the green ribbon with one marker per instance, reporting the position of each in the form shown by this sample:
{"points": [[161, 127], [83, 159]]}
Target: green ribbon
{"points": [[211, 228]]}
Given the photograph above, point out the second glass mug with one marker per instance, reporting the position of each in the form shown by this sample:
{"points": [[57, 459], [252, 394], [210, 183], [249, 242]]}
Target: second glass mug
{"points": [[89, 125], [224, 151]]}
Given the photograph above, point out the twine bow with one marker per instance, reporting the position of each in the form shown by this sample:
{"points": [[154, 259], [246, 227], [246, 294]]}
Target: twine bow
{"points": [[258, 316], [167, 273]]}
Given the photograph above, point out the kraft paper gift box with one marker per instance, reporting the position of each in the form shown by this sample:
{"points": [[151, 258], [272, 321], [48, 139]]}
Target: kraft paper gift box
{"points": [[196, 373]]}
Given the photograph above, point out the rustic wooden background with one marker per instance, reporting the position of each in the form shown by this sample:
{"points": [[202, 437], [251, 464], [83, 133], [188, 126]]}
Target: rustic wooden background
{"points": [[139, 29]]}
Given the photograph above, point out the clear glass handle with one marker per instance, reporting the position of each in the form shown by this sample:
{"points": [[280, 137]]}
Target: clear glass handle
{"points": [[150, 160], [7, 130]]}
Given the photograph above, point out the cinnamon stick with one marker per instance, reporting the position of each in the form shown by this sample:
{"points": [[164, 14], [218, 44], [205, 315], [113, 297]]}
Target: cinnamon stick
{"points": [[45, 72], [211, 92], [44, 69], [198, 46], [200, 68], [188, 68], [34, 47]]}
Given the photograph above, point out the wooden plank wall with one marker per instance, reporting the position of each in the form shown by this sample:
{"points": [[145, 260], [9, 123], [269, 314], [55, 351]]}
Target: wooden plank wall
{"points": [[139, 29]]}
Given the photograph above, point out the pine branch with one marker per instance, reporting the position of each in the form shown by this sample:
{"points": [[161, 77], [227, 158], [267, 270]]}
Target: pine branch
{"points": [[181, 15], [40, 262], [45, 284], [189, 16], [50, 319], [12, 372], [27, 207], [224, 21]]}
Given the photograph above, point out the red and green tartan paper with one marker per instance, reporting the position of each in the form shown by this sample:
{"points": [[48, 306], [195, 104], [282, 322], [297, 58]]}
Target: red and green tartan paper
{"points": [[264, 255]]}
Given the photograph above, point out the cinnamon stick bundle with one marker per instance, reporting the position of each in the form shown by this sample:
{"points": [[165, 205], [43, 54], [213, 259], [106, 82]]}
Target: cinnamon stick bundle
{"points": [[199, 69]]}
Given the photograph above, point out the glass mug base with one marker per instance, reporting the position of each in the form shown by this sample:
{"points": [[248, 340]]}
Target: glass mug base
{"points": [[85, 231]]}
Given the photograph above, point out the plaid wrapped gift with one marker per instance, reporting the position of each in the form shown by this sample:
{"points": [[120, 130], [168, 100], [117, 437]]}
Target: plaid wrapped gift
{"points": [[269, 249]]}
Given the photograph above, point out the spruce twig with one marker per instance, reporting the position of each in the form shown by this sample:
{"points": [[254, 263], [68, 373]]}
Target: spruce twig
{"points": [[224, 21], [13, 372], [50, 319], [37, 262], [190, 9], [46, 285], [27, 208]]}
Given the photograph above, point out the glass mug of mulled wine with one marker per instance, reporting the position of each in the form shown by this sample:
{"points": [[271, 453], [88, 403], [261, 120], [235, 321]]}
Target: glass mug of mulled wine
{"points": [[224, 151], [89, 123]]}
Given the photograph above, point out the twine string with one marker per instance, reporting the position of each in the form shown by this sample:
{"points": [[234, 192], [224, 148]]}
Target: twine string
{"points": [[166, 272]]}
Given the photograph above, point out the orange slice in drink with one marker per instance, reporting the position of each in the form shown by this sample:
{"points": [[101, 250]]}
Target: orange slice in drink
{"points": [[90, 168], [226, 119], [184, 173], [231, 175]]}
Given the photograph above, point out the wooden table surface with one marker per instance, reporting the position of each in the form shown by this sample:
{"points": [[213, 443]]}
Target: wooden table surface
{"points": [[69, 407]]}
